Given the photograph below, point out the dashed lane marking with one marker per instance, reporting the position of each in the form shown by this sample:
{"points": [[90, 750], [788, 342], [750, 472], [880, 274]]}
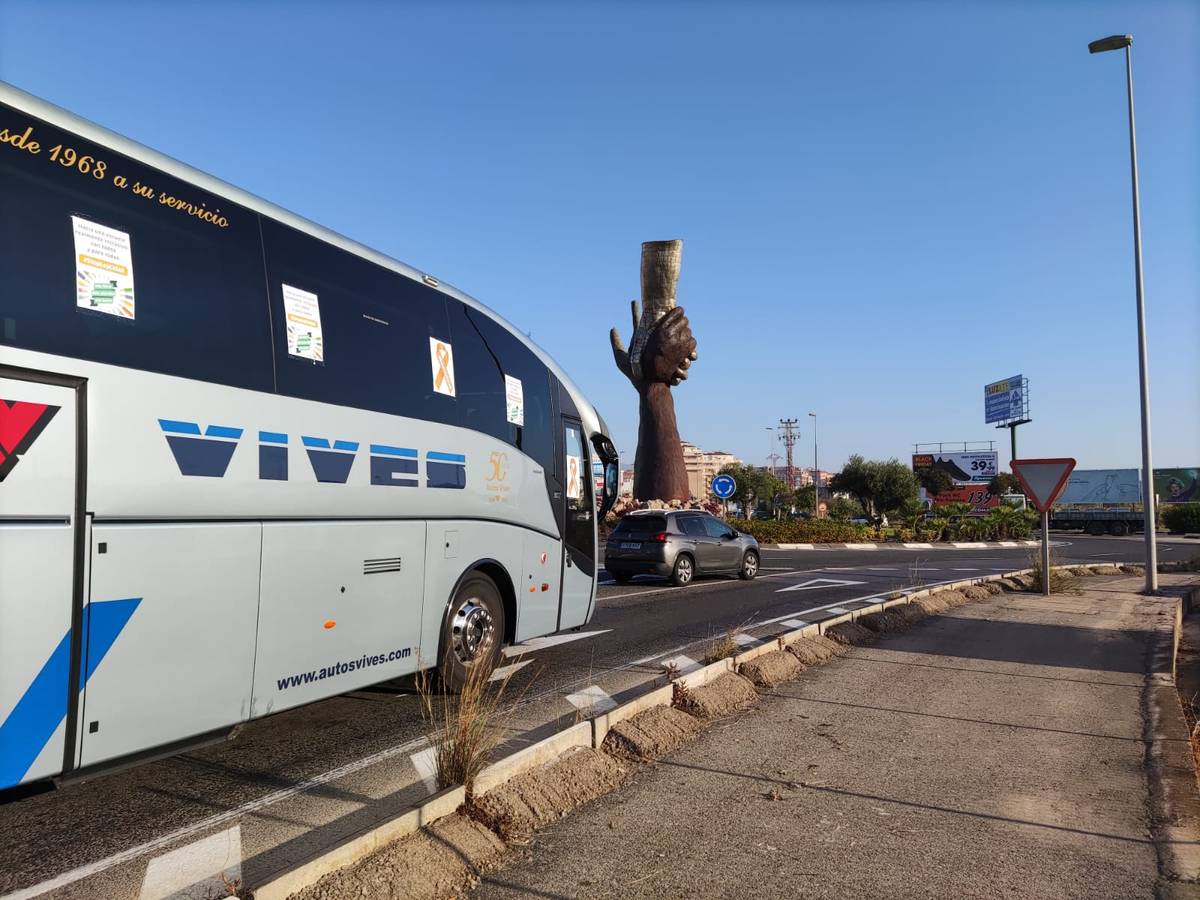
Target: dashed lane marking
{"points": [[553, 640], [502, 672], [203, 868], [425, 762], [594, 699], [683, 664], [817, 583]]}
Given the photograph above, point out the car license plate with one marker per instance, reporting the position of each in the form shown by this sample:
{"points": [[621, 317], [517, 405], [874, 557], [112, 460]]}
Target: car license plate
{"points": [[631, 545]]}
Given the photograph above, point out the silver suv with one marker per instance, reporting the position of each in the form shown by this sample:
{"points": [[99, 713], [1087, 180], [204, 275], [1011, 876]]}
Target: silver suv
{"points": [[678, 544]]}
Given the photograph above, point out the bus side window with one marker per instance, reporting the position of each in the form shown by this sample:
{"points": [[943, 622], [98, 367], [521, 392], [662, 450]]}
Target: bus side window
{"points": [[480, 381], [375, 323], [536, 437]]}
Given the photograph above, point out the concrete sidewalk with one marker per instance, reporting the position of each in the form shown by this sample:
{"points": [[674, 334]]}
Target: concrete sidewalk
{"points": [[1001, 750]]}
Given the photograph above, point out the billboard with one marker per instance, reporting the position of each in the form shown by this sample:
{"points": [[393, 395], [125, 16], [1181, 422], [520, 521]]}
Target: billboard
{"points": [[980, 498], [1107, 487], [1177, 485], [969, 467], [1007, 400]]}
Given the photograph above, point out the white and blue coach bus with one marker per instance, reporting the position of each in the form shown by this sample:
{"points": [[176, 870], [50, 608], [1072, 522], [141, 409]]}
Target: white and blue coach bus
{"points": [[246, 463]]}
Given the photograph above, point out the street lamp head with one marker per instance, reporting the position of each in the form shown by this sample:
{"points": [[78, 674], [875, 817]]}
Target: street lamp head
{"points": [[1115, 42]]}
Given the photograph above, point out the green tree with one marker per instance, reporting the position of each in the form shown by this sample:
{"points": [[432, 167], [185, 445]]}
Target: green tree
{"points": [[879, 485], [841, 509], [753, 486], [805, 498], [935, 481], [1004, 483]]}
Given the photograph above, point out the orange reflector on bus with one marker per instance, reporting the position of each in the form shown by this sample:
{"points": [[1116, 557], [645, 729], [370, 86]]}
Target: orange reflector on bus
{"points": [[329, 624]]}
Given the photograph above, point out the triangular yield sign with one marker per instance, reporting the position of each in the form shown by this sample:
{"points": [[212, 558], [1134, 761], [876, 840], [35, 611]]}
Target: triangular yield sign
{"points": [[1043, 479]]}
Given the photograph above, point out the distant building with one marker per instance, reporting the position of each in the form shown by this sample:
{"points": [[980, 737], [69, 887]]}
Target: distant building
{"points": [[702, 465]]}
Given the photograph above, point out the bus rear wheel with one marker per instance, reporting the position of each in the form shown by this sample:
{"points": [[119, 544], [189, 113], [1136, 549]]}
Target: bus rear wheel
{"points": [[473, 631]]}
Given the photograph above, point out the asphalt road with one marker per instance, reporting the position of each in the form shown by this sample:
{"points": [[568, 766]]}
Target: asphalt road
{"points": [[287, 784]]}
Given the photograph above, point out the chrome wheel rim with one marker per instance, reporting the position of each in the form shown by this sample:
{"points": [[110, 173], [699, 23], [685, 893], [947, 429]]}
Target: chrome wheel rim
{"points": [[471, 631], [684, 568], [750, 565]]}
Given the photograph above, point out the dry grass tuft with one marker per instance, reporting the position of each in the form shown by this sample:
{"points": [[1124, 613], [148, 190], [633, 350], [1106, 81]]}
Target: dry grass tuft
{"points": [[463, 728], [721, 647], [1060, 579]]}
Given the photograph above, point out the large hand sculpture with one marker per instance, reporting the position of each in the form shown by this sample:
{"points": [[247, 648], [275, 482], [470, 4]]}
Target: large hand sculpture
{"points": [[659, 355]]}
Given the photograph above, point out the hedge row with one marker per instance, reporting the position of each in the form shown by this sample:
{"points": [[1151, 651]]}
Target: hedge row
{"points": [[819, 531], [1181, 518]]}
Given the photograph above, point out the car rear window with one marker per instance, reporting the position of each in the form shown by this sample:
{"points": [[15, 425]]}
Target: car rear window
{"points": [[641, 525]]}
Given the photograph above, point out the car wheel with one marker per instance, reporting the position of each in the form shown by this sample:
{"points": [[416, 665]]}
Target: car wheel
{"points": [[1118, 529], [621, 577], [749, 566], [1095, 529], [473, 630], [684, 570]]}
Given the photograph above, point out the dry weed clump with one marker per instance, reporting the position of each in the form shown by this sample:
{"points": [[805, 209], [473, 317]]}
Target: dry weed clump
{"points": [[463, 728], [721, 647], [1060, 579]]}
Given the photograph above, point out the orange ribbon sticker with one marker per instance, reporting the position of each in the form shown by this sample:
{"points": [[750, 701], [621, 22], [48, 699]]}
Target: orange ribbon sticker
{"points": [[442, 360]]}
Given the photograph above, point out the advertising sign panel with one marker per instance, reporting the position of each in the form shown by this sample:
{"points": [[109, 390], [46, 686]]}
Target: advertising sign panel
{"points": [[980, 498], [971, 467], [1177, 485], [1004, 400], [1101, 487]]}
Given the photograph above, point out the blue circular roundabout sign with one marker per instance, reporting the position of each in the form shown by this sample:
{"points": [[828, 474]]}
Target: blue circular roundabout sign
{"points": [[724, 486]]}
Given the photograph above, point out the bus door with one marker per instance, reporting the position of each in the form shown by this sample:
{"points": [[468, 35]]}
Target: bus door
{"points": [[41, 577], [579, 529]]}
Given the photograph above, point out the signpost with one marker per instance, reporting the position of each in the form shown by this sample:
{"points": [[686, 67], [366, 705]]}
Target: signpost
{"points": [[723, 486], [1007, 403], [1043, 481]]}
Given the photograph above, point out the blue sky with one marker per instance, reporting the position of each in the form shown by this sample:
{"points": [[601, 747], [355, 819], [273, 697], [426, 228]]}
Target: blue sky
{"points": [[884, 206]]}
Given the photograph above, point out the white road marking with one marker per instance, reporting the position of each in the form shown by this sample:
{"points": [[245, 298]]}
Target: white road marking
{"points": [[794, 546], [1008, 544], [861, 546], [775, 568], [815, 583], [425, 762], [78, 874], [970, 545], [593, 699], [837, 610], [881, 568], [794, 623], [918, 546], [553, 640], [502, 672], [745, 640], [964, 570], [198, 870], [683, 664]]}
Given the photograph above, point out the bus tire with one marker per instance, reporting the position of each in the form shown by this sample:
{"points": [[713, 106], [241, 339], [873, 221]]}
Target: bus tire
{"points": [[473, 630], [1095, 528]]}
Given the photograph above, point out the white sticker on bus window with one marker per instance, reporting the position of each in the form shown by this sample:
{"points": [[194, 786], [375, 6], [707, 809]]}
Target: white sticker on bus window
{"points": [[103, 269], [574, 477], [302, 316], [441, 360], [514, 397]]}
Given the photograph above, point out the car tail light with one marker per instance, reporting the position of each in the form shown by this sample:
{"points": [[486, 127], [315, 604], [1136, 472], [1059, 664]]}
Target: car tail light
{"points": [[660, 538]]}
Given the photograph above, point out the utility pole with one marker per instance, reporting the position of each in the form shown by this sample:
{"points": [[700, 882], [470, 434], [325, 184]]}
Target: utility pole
{"points": [[789, 437]]}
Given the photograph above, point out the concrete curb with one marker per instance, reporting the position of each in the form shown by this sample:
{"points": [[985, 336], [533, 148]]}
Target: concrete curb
{"points": [[579, 735], [361, 845]]}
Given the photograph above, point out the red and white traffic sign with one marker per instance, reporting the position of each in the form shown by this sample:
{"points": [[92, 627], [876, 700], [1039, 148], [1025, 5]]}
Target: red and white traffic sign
{"points": [[1043, 479]]}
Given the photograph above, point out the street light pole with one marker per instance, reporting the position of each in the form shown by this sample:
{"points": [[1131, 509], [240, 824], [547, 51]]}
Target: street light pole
{"points": [[816, 472], [1117, 42]]}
